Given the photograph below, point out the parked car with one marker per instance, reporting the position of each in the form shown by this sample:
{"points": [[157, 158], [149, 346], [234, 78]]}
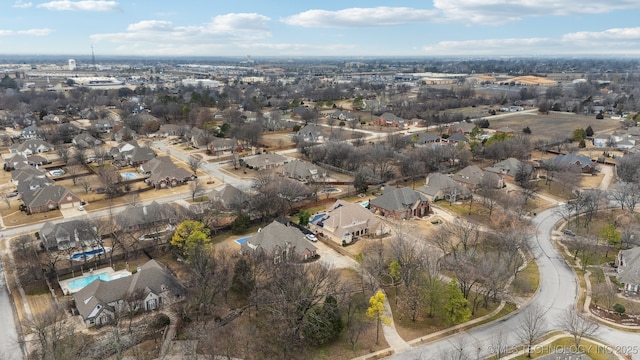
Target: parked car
{"points": [[569, 232], [80, 208], [312, 237], [13, 194]]}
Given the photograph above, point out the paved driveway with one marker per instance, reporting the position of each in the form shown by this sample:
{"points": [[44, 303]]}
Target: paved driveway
{"points": [[332, 259]]}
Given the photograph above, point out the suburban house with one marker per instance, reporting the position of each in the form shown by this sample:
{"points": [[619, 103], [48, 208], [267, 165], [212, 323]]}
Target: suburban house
{"points": [[423, 139], [219, 146], [472, 176], [25, 174], [345, 221], [30, 132], [30, 147], [311, 133], [343, 115], [265, 161], [509, 167], [164, 173], [102, 125], [442, 187], [457, 138], [46, 198], [69, 234], [145, 217], [302, 170], [400, 203], [389, 119], [167, 130], [129, 153], [17, 161], [628, 262], [199, 138], [579, 161], [37, 160], [278, 242], [229, 195], [124, 134], [85, 140], [462, 128], [151, 287]]}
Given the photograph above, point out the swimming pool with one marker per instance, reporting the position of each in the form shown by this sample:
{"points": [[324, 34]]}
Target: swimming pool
{"points": [[330, 191], [242, 240], [129, 175], [88, 254], [57, 172], [316, 218], [79, 283]]}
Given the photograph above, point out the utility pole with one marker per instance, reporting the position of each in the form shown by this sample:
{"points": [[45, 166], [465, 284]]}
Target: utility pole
{"points": [[93, 58]]}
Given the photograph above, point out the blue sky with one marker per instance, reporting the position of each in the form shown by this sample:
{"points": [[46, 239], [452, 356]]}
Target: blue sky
{"points": [[485, 28]]}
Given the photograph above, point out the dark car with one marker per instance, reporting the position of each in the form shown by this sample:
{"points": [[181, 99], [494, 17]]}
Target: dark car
{"points": [[569, 232]]}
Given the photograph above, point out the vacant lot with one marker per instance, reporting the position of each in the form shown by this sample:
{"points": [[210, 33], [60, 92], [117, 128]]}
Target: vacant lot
{"points": [[554, 124]]}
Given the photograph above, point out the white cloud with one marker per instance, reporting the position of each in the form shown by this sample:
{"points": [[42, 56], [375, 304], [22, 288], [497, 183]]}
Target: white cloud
{"points": [[360, 17], [486, 12], [164, 37], [610, 34], [22, 5], [82, 5], [490, 12], [29, 32], [615, 41]]}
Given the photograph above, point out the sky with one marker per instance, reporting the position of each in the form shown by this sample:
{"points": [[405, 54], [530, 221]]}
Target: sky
{"points": [[398, 28]]}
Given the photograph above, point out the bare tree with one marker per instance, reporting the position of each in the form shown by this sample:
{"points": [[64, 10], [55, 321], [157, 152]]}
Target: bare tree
{"points": [[577, 324], [63, 153], [195, 164], [604, 294], [85, 183], [195, 187], [498, 345], [532, 327], [54, 335]]}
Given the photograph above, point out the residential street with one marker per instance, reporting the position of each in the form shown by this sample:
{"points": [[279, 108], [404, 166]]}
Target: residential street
{"points": [[558, 291]]}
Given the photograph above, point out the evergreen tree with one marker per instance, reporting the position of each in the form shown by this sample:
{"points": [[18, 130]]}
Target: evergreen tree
{"points": [[456, 308]]}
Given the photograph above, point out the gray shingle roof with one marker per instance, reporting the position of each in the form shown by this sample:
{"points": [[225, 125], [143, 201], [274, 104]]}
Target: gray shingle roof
{"points": [[277, 236], [630, 272], [153, 277], [53, 193], [146, 214], [398, 199], [75, 230]]}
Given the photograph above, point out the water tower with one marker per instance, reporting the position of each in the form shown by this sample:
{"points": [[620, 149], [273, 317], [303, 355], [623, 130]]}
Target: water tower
{"points": [[72, 65]]}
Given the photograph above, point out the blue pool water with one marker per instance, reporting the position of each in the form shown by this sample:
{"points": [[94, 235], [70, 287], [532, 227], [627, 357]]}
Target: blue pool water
{"points": [[88, 254], [79, 283], [316, 218], [242, 240], [129, 175], [365, 204], [57, 172]]}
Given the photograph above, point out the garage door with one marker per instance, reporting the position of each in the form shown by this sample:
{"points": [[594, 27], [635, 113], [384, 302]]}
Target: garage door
{"points": [[66, 206]]}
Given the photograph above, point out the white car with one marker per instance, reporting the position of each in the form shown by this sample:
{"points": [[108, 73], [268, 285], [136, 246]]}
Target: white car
{"points": [[312, 237], [80, 208]]}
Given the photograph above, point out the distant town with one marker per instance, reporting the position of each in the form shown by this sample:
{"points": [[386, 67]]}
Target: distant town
{"points": [[332, 208]]}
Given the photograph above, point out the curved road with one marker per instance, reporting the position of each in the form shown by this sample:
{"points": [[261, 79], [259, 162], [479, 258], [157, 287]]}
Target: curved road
{"points": [[558, 291]]}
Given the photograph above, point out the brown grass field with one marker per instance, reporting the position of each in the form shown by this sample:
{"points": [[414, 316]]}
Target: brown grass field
{"points": [[554, 124]]}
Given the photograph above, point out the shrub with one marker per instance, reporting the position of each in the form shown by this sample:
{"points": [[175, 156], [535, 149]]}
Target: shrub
{"points": [[619, 308]]}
